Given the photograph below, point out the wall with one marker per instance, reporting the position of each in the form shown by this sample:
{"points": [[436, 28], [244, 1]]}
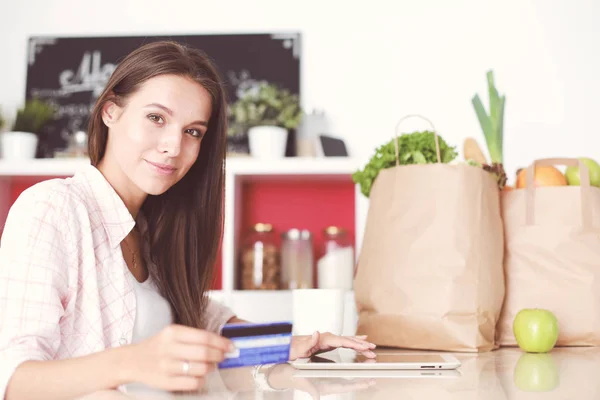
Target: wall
{"points": [[369, 65]]}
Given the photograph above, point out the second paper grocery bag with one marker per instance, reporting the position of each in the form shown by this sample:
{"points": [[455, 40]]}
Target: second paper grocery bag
{"points": [[552, 258], [429, 274]]}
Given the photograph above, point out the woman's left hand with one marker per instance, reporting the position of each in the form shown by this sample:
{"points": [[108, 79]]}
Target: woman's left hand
{"points": [[307, 346]]}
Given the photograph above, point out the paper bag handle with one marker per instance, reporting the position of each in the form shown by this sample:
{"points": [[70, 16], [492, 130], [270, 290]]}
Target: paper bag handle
{"points": [[586, 205], [437, 142]]}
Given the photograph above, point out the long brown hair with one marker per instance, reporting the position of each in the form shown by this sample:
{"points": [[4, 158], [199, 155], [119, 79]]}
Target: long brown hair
{"points": [[185, 223]]}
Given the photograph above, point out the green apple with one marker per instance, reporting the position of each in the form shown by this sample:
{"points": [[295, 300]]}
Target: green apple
{"points": [[536, 330], [536, 373], [572, 173]]}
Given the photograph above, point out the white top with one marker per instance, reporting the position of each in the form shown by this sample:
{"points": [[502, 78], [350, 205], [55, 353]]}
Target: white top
{"points": [[153, 311]]}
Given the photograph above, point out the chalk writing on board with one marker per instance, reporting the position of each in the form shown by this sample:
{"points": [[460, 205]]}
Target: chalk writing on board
{"points": [[71, 72], [90, 76]]}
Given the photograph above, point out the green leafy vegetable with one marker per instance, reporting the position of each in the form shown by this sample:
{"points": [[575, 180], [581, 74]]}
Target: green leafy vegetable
{"points": [[413, 148], [492, 124]]}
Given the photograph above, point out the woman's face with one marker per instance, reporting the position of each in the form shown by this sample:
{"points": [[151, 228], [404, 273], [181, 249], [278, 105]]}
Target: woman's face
{"points": [[155, 138]]}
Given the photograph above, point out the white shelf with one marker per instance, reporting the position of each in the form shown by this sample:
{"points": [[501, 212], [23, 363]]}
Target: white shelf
{"points": [[236, 166], [42, 167], [299, 166]]}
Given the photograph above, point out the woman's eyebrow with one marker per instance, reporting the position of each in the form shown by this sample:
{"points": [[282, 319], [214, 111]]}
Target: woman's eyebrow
{"points": [[164, 108], [203, 123]]}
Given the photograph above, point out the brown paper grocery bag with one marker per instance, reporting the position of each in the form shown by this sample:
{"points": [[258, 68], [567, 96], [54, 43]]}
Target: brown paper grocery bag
{"points": [[552, 257], [429, 273]]}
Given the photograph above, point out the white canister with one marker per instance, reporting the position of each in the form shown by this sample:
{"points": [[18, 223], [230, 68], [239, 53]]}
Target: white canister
{"points": [[335, 269], [18, 145], [267, 141]]}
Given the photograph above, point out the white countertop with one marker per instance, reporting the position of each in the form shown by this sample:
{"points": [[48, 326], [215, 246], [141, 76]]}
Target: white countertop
{"points": [[508, 373]]}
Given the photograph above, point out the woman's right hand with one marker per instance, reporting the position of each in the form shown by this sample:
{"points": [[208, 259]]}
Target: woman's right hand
{"points": [[161, 360]]}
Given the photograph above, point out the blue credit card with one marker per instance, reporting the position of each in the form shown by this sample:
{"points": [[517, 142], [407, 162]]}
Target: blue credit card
{"points": [[257, 344]]}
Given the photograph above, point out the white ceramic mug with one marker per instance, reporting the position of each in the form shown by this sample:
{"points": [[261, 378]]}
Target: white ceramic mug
{"points": [[318, 310]]}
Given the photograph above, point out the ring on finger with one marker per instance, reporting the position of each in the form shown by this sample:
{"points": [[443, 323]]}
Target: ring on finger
{"points": [[186, 367]]}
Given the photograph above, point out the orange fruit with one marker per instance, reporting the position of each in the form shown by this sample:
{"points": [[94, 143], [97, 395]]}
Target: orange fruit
{"points": [[543, 176]]}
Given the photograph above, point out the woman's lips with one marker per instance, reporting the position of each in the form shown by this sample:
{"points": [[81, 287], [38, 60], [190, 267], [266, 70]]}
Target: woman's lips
{"points": [[162, 169]]}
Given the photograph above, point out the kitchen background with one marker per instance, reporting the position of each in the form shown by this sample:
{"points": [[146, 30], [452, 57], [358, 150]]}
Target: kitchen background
{"points": [[364, 68]]}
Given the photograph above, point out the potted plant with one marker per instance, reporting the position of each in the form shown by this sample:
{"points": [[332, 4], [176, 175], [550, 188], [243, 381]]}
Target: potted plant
{"points": [[2, 120], [21, 142], [267, 112]]}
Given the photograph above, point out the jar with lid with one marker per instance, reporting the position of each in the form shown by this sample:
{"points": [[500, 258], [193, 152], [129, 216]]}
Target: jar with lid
{"points": [[297, 259], [260, 267], [335, 267]]}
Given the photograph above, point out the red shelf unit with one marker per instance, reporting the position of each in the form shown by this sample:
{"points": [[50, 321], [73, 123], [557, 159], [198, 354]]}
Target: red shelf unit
{"points": [[303, 204]]}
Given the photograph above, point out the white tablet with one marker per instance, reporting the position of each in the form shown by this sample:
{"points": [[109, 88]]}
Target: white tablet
{"points": [[390, 360], [359, 374]]}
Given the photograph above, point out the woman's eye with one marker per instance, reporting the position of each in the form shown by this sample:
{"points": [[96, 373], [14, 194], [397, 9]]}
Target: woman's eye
{"points": [[195, 133], [155, 118]]}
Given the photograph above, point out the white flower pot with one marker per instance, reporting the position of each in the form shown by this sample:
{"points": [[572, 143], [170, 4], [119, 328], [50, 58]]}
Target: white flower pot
{"points": [[267, 141], [18, 145]]}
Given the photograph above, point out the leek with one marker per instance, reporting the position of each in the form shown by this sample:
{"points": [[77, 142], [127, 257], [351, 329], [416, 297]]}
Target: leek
{"points": [[492, 124]]}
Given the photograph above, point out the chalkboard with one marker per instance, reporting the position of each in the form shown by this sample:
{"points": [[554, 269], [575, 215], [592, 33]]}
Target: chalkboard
{"points": [[72, 71]]}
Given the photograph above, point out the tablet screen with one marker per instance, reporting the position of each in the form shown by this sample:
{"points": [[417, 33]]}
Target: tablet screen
{"points": [[381, 358]]}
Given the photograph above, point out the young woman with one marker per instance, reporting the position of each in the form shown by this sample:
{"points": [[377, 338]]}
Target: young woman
{"points": [[103, 276]]}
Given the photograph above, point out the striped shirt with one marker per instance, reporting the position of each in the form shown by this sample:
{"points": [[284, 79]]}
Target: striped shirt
{"points": [[65, 289]]}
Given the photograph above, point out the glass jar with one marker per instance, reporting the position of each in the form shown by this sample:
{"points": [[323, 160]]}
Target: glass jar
{"points": [[335, 267], [260, 267], [297, 259]]}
